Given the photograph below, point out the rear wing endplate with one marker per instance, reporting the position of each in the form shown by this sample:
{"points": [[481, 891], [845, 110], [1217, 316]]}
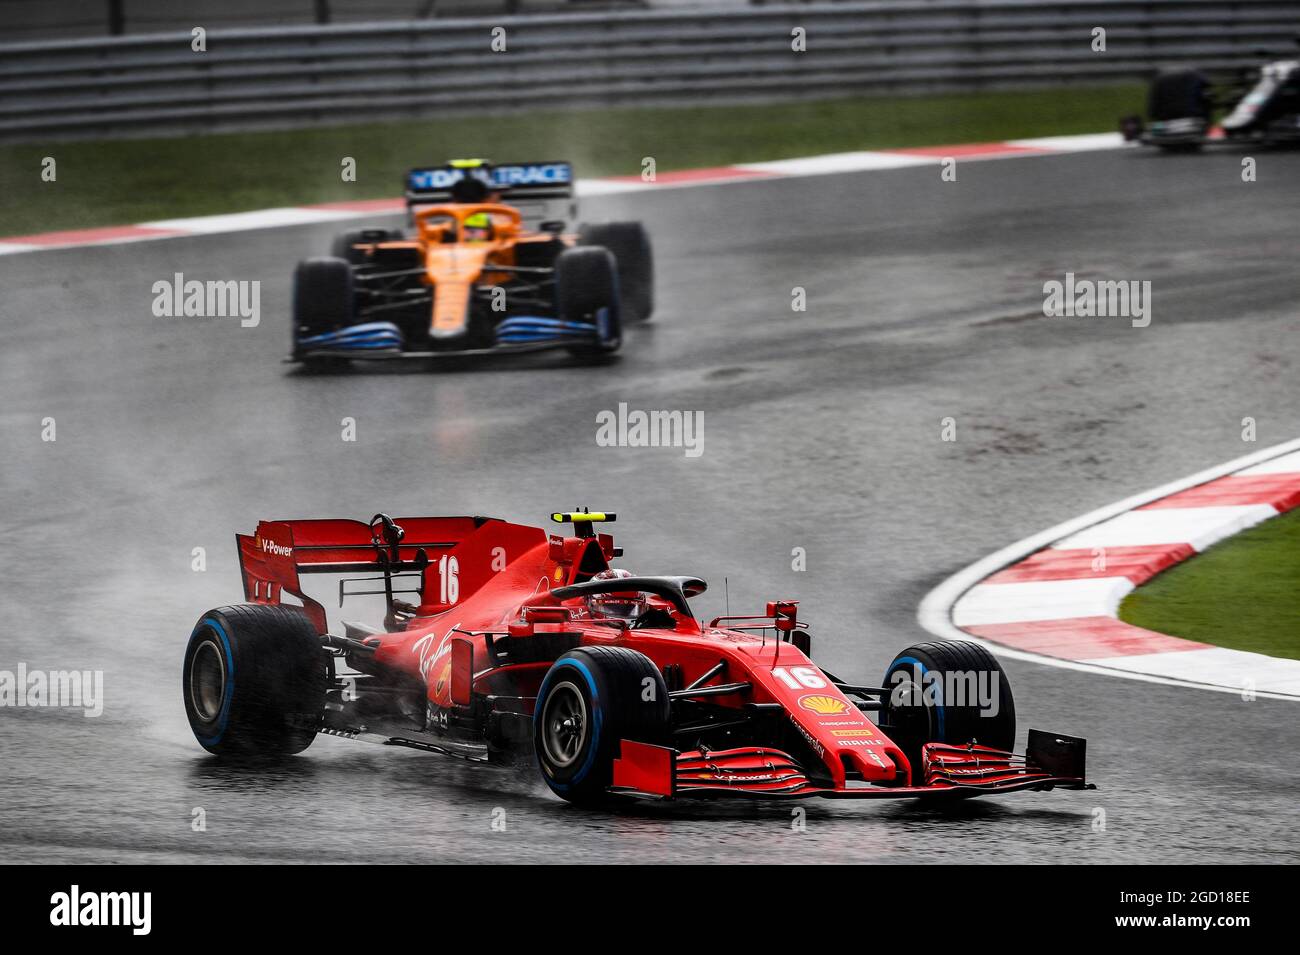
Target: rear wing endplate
{"points": [[470, 549], [272, 559]]}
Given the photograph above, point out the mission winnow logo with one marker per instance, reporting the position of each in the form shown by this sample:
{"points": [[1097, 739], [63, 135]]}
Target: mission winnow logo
{"points": [[78, 908]]}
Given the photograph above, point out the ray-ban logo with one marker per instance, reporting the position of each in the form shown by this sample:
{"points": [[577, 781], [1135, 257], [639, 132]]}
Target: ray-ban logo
{"points": [[76, 908]]}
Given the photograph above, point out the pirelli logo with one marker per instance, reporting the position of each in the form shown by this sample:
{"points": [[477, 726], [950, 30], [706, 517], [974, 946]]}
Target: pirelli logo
{"points": [[855, 734]]}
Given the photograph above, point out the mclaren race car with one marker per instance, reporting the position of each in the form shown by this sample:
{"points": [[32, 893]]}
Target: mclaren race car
{"points": [[1254, 106], [517, 640], [486, 266]]}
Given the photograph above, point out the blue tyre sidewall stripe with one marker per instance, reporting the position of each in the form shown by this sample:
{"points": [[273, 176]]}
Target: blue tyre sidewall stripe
{"points": [[223, 717], [596, 719], [917, 663]]}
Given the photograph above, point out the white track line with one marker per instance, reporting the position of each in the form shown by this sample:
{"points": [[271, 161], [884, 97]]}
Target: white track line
{"points": [[864, 161]]}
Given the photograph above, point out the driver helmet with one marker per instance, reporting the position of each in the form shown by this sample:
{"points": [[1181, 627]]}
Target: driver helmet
{"points": [[626, 605], [477, 228]]}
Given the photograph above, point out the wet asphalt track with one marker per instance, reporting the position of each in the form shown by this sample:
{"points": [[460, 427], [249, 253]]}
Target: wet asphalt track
{"points": [[821, 432]]}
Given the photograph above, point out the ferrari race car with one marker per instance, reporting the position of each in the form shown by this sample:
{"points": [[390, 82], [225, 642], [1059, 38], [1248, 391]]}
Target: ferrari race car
{"points": [[485, 267], [1257, 106], [517, 637]]}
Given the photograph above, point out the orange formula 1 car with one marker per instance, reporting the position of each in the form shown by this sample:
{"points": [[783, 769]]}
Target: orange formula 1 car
{"points": [[480, 270]]}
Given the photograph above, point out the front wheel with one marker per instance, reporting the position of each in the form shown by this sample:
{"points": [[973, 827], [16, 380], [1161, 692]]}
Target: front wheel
{"points": [[1179, 95], [1179, 105], [324, 300], [587, 293], [592, 698], [254, 681], [947, 692]]}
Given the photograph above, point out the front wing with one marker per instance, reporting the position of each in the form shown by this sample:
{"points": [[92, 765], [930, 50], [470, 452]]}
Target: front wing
{"points": [[658, 772], [379, 341]]}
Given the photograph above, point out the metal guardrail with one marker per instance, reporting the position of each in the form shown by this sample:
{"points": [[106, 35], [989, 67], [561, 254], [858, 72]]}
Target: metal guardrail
{"points": [[141, 85], [61, 19]]}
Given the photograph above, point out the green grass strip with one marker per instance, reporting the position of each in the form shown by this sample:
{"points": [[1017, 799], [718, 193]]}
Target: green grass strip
{"points": [[1242, 593], [118, 182]]}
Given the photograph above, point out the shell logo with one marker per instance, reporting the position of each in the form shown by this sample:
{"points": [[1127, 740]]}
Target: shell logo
{"points": [[823, 705]]}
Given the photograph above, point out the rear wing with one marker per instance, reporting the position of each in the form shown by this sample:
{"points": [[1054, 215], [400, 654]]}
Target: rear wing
{"points": [[540, 190], [273, 559]]}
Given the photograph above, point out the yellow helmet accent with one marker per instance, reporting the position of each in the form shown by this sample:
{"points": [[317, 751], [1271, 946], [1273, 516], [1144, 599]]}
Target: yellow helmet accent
{"points": [[479, 220]]}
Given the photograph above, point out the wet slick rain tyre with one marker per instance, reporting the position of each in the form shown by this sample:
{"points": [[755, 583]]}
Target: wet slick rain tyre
{"points": [[323, 296], [587, 292], [344, 245], [1179, 94], [918, 710], [591, 698], [630, 245], [254, 681], [324, 300]]}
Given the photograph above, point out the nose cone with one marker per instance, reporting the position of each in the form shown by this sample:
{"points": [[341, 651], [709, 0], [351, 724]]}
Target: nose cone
{"points": [[452, 271]]}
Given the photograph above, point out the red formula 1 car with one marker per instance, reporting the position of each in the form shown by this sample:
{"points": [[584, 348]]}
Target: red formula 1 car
{"points": [[515, 637]]}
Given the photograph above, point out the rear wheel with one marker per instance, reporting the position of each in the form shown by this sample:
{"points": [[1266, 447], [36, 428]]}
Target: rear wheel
{"points": [[630, 245], [947, 692], [587, 291], [344, 245], [254, 681], [592, 698]]}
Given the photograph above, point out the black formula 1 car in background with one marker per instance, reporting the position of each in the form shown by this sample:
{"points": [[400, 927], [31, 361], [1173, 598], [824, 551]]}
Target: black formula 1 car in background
{"points": [[1187, 108]]}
